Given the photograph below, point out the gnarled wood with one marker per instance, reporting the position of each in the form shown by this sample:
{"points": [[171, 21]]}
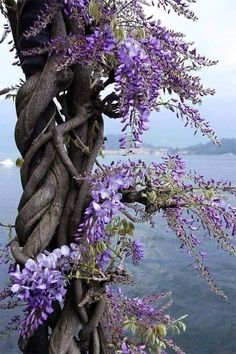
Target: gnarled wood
{"points": [[54, 194]]}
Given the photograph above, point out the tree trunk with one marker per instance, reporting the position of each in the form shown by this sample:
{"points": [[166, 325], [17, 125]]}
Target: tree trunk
{"points": [[53, 198]]}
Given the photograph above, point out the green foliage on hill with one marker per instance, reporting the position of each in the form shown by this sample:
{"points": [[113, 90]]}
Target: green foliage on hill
{"points": [[228, 146]]}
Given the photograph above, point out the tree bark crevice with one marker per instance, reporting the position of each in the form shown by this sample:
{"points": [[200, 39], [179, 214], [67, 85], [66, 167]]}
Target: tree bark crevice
{"points": [[56, 189]]}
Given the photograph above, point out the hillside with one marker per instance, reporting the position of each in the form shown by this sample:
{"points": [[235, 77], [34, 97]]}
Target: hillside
{"points": [[228, 146]]}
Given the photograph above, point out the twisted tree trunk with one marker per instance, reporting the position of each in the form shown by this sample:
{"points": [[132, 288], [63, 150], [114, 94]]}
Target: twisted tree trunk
{"points": [[54, 197]]}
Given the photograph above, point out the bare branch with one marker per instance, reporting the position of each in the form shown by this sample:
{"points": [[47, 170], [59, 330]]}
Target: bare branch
{"points": [[17, 253]]}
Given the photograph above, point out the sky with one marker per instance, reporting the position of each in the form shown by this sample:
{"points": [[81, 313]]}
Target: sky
{"points": [[214, 34]]}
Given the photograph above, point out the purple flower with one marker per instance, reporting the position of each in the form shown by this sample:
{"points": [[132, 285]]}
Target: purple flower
{"points": [[103, 258], [203, 254], [137, 251], [41, 282], [39, 287]]}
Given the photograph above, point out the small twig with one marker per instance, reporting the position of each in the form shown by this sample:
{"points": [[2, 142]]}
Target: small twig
{"points": [[7, 225], [86, 149], [93, 295], [5, 91], [62, 153], [129, 216]]}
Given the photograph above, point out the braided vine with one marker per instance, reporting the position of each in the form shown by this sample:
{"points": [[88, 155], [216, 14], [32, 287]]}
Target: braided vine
{"points": [[75, 223], [53, 200]]}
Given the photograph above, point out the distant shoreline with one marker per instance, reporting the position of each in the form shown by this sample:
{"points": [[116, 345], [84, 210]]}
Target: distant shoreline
{"points": [[226, 147], [142, 152]]}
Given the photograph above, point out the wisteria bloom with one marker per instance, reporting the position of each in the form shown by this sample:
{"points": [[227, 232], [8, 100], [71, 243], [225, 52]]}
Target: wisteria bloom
{"points": [[42, 282]]}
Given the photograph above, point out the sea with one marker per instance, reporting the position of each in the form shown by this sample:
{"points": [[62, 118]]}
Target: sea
{"points": [[211, 321]]}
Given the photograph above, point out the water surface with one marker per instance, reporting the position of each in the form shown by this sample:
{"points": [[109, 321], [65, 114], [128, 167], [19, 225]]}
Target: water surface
{"points": [[211, 325]]}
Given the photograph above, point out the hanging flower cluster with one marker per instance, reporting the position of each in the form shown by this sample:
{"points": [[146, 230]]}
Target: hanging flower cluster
{"points": [[137, 84], [188, 202], [134, 325], [149, 62], [76, 4], [84, 49], [40, 283], [105, 205], [149, 67]]}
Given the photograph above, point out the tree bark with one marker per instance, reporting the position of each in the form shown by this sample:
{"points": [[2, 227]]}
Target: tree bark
{"points": [[53, 200]]}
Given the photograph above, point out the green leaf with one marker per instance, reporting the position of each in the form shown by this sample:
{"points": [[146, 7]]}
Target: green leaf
{"points": [[161, 329], [19, 161], [140, 34], [77, 274], [101, 246], [94, 11], [152, 196]]}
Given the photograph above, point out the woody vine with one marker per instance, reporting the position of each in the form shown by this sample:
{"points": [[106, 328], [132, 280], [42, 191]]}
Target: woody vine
{"points": [[86, 62]]}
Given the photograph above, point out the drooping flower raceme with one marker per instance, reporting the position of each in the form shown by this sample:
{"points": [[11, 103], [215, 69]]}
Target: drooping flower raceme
{"points": [[137, 84], [188, 203], [106, 204], [137, 251], [42, 282], [150, 66], [129, 320]]}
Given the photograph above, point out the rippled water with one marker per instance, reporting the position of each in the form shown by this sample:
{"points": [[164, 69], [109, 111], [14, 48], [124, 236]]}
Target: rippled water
{"points": [[211, 324]]}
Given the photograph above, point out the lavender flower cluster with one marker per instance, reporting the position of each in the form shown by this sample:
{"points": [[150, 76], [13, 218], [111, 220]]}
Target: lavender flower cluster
{"points": [[123, 310], [105, 205], [147, 59], [42, 282], [4, 254], [181, 7], [146, 63], [194, 204], [137, 85]]}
